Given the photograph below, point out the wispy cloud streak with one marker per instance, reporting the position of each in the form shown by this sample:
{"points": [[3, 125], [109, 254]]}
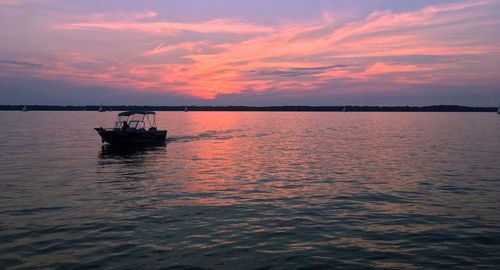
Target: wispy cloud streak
{"points": [[213, 26]]}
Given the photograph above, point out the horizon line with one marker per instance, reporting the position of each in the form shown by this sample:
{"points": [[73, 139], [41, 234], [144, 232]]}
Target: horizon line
{"points": [[277, 108]]}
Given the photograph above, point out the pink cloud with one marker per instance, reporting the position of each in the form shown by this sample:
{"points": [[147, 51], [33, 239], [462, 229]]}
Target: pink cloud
{"points": [[379, 68], [162, 27], [291, 56], [162, 49]]}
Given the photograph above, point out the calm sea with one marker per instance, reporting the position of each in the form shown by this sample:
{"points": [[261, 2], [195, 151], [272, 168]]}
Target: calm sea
{"points": [[252, 190]]}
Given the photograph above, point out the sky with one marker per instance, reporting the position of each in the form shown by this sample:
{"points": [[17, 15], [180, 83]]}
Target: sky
{"points": [[259, 52]]}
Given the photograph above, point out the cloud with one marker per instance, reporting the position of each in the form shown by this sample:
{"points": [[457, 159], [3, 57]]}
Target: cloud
{"points": [[20, 63], [293, 72], [162, 49], [378, 35], [145, 15], [439, 44], [164, 27], [381, 67]]}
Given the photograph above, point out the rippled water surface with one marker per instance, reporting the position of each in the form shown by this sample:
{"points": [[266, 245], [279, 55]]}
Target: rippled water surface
{"points": [[247, 190]]}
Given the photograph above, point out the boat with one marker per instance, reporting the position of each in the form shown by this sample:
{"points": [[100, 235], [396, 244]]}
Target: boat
{"points": [[25, 108], [101, 109], [186, 109], [133, 128], [344, 109]]}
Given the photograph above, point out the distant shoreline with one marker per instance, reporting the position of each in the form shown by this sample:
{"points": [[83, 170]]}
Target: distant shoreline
{"points": [[433, 108]]}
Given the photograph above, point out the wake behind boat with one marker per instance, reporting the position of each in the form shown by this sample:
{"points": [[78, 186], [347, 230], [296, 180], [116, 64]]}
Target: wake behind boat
{"points": [[133, 128]]}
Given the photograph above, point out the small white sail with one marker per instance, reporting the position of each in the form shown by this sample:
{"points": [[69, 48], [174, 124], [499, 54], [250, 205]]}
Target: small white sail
{"points": [[101, 109], [25, 108]]}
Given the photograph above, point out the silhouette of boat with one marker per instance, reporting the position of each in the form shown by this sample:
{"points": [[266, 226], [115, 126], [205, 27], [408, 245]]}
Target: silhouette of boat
{"points": [[101, 109], [25, 108], [140, 129], [344, 109], [186, 109]]}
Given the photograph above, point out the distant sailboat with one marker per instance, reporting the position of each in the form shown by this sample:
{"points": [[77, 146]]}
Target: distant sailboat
{"points": [[344, 109], [186, 109], [101, 109], [25, 108]]}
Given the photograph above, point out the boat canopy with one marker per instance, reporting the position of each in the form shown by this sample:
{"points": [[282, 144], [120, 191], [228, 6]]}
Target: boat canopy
{"points": [[136, 120], [129, 113]]}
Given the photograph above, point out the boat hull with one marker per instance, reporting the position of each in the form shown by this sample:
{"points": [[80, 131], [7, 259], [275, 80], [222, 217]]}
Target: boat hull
{"points": [[132, 137]]}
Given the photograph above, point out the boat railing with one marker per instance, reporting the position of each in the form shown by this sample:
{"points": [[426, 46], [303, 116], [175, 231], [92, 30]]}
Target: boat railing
{"points": [[141, 129]]}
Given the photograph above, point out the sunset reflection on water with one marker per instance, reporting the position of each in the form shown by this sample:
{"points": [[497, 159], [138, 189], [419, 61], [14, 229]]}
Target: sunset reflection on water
{"points": [[271, 190]]}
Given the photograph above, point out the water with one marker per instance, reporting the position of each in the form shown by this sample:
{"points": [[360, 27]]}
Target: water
{"points": [[247, 190]]}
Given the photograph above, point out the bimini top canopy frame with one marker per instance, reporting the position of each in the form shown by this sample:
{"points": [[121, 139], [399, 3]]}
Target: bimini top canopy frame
{"points": [[135, 120], [129, 113]]}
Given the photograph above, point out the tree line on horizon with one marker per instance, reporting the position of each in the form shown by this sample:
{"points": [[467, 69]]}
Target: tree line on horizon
{"points": [[432, 108]]}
